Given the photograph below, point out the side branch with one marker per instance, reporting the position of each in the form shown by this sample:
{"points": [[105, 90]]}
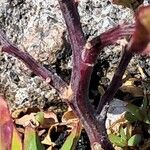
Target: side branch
{"points": [[72, 19], [54, 80], [116, 81], [93, 47]]}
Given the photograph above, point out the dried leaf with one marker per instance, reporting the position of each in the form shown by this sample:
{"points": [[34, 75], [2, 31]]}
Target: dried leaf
{"points": [[47, 140], [39, 119], [50, 119], [25, 120], [24, 111], [130, 87], [69, 116]]}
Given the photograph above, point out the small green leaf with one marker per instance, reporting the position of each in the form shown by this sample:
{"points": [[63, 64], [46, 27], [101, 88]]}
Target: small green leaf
{"points": [[31, 140], [122, 134], [72, 138], [134, 140], [131, 118], [118, 141], [16, 141], [135, 110], [40, 117]]}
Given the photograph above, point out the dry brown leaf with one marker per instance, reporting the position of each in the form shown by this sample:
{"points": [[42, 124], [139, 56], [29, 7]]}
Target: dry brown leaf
{"points": [[24, 111], [25, 120], [114, 128], [131, 88], [47, 140], [69, 116], [50, 119]]}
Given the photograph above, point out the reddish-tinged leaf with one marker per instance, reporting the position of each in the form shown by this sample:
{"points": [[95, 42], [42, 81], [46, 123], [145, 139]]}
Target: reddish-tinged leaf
{"points": [[31, 141], [9, 137], [72, 139], [141, 37], [6, 126]]}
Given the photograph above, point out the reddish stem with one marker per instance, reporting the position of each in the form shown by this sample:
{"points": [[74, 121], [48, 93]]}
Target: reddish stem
{"points": [[54, 80], [116, 81], [93, 47], [72, 20]]}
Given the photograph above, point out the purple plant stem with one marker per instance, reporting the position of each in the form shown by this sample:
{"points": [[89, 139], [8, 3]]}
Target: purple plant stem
{"points": [[54, 80], [116, 80], [83, 109], [93, 47], [72, 20], [80, 103], [81, 74]]}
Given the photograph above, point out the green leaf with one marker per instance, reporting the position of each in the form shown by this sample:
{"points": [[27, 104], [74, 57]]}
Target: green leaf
{"points": [[16, 141], [122, 134], [118, 141], [135, 110], [31, 140], [40, 117], [131, 118], [134, 140], [72, 139]]}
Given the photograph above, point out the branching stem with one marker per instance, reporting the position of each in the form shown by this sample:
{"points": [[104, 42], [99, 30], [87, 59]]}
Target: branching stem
{"points": [[54, 80]]}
